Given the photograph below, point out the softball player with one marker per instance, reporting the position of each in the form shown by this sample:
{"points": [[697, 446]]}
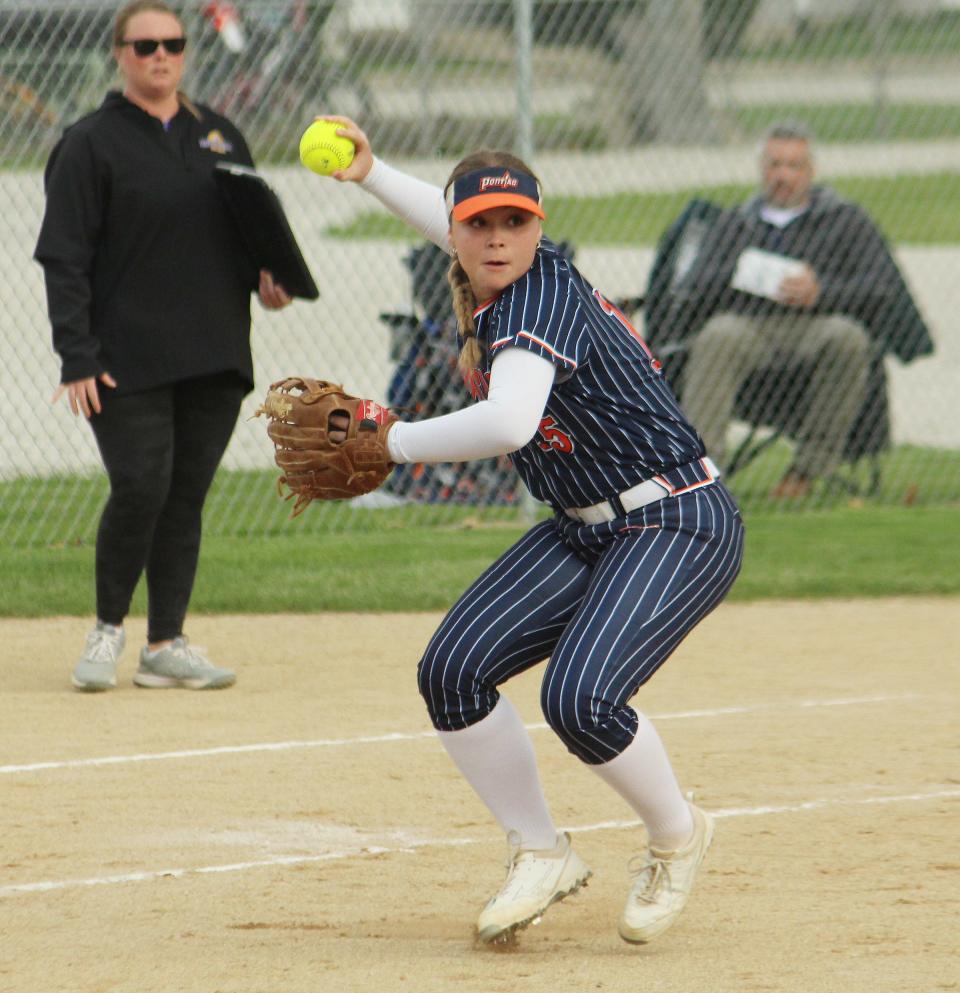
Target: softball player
{"points": [[644, 540]]}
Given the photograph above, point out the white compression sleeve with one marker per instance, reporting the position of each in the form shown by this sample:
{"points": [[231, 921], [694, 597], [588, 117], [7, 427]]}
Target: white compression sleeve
{"points": [[414, 201], [520, 383]]}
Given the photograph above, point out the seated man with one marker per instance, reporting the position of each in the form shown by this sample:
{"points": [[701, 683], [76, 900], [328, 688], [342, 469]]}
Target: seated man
{"points": [[796, 274]]}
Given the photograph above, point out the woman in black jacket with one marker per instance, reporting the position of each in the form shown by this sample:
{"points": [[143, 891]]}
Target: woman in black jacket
{"points": [[149, 298]]}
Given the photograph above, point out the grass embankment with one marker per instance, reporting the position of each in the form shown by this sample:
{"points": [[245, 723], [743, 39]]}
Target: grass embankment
{"points": [[845, 552], [922, 210]]}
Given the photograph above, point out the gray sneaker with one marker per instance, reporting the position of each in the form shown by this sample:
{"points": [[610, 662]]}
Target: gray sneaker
{"points": [[97, 669], [181, 664]]}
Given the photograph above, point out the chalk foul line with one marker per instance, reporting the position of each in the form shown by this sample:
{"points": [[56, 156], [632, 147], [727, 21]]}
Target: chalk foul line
{"points": [[379, 739], [405, 846]]}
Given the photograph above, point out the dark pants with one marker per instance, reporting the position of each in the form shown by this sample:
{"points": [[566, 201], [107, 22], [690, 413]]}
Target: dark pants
{"points": [[161, 449], [606, 603]]}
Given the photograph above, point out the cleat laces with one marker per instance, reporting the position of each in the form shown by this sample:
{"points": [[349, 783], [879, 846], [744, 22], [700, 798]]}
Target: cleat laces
{"points": [[658, 873]]}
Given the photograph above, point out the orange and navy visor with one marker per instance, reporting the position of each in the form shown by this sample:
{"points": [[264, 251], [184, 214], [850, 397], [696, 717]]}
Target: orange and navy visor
{"points": [[494, 187]]}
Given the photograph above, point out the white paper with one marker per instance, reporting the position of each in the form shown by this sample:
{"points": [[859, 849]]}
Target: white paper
{"points": [[761, 273]]}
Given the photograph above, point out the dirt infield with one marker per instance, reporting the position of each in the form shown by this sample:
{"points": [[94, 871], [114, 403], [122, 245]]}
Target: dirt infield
{"points": [[303, 832]]}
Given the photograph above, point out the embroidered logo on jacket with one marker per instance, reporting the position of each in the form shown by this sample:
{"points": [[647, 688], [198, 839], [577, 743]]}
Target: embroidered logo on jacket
{"points": [[216, 143]]}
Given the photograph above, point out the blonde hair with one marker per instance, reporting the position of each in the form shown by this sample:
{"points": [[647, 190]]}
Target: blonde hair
{"points": [[128, 12], [464, 299]]}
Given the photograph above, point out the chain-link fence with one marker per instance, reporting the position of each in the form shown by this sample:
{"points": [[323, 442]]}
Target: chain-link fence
{"points": [[643, 120]]}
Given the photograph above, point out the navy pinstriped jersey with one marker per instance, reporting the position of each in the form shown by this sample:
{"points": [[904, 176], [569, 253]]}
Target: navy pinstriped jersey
{"points": [[611, 420]]}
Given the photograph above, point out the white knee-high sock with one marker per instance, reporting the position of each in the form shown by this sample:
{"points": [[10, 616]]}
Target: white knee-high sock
{"points": [[496, 758], [643, 776]]}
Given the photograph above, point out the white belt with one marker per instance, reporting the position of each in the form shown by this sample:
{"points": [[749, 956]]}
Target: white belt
{"points": [[649, 491]]}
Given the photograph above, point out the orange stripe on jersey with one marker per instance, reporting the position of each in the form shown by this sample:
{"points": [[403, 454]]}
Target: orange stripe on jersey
{"points": [[676, 490], [543, 344], [611, 311], [481, 307]]}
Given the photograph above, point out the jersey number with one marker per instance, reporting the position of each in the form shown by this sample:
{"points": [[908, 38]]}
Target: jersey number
{"points": [[553, 437]]}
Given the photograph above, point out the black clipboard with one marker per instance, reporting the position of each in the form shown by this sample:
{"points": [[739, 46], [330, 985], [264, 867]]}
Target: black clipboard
{"points": [[264, 228]]}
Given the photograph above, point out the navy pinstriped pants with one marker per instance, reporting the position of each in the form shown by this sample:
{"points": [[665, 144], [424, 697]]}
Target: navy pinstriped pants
{"points": [[607, 603]]}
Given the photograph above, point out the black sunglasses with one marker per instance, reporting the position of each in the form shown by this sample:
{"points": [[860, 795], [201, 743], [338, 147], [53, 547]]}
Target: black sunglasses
{"points": [[143, 47]]}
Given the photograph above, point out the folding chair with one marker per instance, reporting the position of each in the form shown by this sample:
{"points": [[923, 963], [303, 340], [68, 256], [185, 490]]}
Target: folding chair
{"points": [[771, 401]]}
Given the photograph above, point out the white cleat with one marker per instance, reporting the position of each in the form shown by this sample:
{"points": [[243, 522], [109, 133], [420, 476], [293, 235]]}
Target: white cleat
{"points": [[535, 880], [663, 883]]}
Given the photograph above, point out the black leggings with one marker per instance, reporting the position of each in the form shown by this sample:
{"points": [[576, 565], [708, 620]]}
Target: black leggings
{"points": [[161, 449]]}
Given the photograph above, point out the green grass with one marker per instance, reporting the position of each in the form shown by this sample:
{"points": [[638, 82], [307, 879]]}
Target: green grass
{"points": [[63, 511], [851, 552], [855, 37], [901, 540], [846, 122], [908, 209], [844, 552], [908, 476]]}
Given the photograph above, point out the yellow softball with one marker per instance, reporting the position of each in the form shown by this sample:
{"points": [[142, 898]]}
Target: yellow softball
{"points": [[323, 151]]}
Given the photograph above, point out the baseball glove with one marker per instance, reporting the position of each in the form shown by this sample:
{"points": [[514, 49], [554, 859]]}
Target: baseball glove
{"points": [[314, 466]]}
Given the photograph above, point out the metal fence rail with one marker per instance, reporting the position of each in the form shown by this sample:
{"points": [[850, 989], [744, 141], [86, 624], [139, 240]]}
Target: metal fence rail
{"points": [[628, 110]]}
